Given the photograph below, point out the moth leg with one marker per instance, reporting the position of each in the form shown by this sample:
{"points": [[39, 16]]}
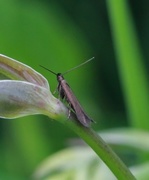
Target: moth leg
{"points": [[70, 110], [61, 92], [55, 91]]}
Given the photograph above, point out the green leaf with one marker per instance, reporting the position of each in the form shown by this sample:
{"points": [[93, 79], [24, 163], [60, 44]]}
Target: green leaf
{"points": [[80, 162]]}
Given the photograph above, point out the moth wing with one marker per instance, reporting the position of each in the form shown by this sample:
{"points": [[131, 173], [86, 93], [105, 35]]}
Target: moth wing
{"points": [[75, 105]]}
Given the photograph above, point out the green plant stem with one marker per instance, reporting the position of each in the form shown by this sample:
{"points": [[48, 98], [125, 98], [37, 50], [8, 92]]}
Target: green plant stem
{"points": [[114, 163], [130, 63]]}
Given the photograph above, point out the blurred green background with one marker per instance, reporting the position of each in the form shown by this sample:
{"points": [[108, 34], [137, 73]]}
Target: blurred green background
{"points": [[59, 35]]}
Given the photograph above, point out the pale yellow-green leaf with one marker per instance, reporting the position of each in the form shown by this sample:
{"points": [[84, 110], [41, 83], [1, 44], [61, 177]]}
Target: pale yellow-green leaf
{"points": [[18, 71], [20, 98]]}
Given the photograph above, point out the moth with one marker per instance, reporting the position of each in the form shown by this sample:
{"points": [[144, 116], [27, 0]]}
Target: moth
{"points": [[66, 93]]}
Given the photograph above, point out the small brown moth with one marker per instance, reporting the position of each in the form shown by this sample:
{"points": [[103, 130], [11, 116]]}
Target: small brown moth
{"points": [[65, 92]]}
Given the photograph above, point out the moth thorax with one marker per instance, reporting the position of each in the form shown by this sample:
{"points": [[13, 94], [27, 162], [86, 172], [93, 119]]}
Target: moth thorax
{"points": [[60, 77]]}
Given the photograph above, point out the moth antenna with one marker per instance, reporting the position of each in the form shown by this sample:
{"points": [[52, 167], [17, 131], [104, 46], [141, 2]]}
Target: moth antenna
{"points": [[48, 70], [78, 65]]}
